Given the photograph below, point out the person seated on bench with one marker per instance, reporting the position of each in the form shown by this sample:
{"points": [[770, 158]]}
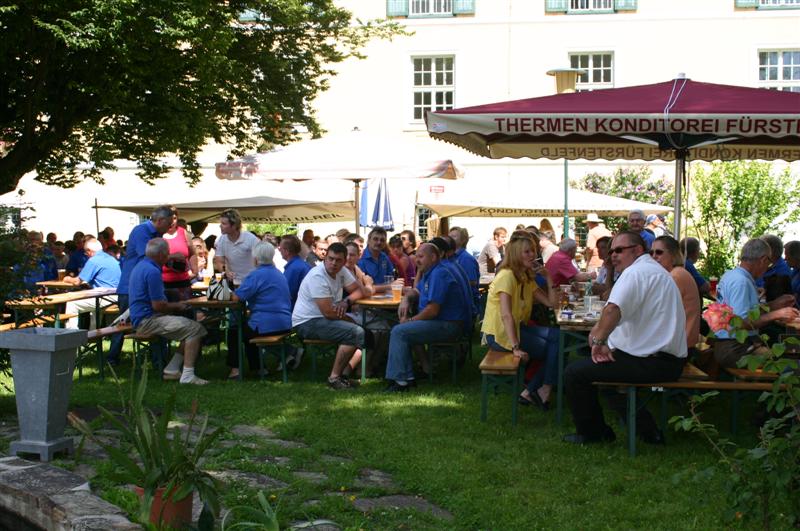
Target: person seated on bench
{"points": [[640, 338], [321, 311], [149, 309], [100, 271], [444, 314], [266, 292], [737, 289], [508, 309]]}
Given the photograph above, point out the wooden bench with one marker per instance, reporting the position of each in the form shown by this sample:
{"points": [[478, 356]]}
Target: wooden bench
{"points": [[690, 380], [757, 375], [263, 343], [142, 344], [45, 320], [312, 347], [501, 370], [94, 345], [458, 350]]}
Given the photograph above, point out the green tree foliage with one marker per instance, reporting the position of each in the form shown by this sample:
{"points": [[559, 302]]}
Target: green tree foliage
{"points": [[633, 182], [733, 201], [85, 82], [277, 229]]}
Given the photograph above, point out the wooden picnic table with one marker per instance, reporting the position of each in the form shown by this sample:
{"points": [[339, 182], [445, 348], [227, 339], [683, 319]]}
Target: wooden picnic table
{"points": [[59, 285], [54, 301]]}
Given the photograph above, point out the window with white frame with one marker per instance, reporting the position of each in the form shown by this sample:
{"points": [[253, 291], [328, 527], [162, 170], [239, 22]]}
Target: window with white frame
{"points": [[779, 69], [431, 7], [591, 5], [778, 3], [434, 84], [598, 67]]}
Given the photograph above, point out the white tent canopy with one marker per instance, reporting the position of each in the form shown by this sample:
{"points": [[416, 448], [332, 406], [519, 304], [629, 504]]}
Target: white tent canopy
{"points": [[257, 202], [464, 201]]}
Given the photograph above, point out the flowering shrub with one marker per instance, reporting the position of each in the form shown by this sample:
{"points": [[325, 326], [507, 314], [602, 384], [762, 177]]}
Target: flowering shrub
{"points": [[634, 182], [718, 316], [762, 483]]}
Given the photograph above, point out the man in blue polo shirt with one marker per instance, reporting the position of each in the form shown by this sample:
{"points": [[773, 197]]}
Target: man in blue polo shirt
{"points": [[159, 222], [100, 271], [467, 262], [636, 221], [737, 289], [443, 315], [375, 262], [149, 309], [777, 280], [691, 250], [44, 266]]}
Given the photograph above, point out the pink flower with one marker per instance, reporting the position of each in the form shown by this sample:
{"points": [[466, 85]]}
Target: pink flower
{"points": [[718, 316]]}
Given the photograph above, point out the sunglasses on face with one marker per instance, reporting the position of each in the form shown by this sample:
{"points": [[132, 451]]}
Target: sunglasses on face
{"points": [[618, 250], [655, 252]]}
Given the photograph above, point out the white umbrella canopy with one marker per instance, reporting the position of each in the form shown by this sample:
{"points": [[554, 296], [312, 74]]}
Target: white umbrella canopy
{"points": [[267, 203], [355, 156], [463, 201]]}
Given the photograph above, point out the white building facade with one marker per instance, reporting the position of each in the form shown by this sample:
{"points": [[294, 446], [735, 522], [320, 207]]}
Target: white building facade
{"points": [[473, 52]]}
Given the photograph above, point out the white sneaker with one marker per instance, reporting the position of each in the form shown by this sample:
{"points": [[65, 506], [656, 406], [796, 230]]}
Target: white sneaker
{"points": [[194, 380]]}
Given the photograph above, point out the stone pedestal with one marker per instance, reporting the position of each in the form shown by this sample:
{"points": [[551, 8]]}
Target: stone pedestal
{"points": [[42, 362]]}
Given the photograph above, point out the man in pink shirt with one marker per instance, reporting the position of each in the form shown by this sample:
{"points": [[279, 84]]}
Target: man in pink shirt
{"points": [[561, 267]]}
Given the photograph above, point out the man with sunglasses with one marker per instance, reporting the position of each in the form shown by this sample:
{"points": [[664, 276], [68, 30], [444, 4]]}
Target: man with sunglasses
{"points": [[737, 289], [640, 338]]}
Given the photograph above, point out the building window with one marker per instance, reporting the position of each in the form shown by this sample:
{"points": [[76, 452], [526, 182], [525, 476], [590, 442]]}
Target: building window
{"points": [[778, 3], [434, 79], [423, 215], [779, 70], [599, 70], [431, 7], [576, 6]]}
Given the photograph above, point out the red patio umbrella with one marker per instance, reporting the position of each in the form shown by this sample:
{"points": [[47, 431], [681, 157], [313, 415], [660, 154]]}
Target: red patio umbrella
{"points": [[676, 120]]}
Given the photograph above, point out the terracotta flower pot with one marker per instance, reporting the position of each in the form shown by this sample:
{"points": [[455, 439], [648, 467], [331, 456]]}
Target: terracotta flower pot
{"points": [[176, 514]]}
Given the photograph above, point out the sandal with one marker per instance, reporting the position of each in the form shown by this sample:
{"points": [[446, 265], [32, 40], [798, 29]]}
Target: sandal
{"points": [[524, 401]]}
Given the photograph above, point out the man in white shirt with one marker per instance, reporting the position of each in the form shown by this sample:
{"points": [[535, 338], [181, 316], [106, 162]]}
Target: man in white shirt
{"points": [[321, 310], [234, 248], [492, 252], [640, 338]]}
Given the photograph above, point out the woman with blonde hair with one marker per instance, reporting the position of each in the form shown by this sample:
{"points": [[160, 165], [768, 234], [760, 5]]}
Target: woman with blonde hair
{"points": [[509, 304]]}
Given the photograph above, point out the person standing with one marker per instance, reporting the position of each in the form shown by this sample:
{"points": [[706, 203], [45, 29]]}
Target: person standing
{"points": [[234, 258], [597, 230], [160, 220]]}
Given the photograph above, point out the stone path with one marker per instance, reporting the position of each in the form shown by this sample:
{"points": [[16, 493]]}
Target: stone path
{"points": [[248, 459]]}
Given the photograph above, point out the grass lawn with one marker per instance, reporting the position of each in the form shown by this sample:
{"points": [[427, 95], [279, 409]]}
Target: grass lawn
{"points": [[488, 475]]}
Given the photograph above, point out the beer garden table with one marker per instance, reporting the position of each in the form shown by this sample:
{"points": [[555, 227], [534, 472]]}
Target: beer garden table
{"points": [[228, 306], [52, 302], [384, 306]]}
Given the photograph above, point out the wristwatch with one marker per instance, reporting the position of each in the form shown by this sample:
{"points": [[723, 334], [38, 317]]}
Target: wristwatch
{"points": [[514, 347], [598, 341]]}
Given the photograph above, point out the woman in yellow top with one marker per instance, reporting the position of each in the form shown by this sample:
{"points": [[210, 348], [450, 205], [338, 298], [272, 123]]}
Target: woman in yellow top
{"points": [[508, 310]]}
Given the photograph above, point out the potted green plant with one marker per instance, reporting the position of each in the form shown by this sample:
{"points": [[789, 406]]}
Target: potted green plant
{"points": [[164, 464]]}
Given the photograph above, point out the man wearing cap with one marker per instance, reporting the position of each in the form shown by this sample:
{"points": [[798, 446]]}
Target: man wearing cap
{"points": [[636, 221], [597, 230]]}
